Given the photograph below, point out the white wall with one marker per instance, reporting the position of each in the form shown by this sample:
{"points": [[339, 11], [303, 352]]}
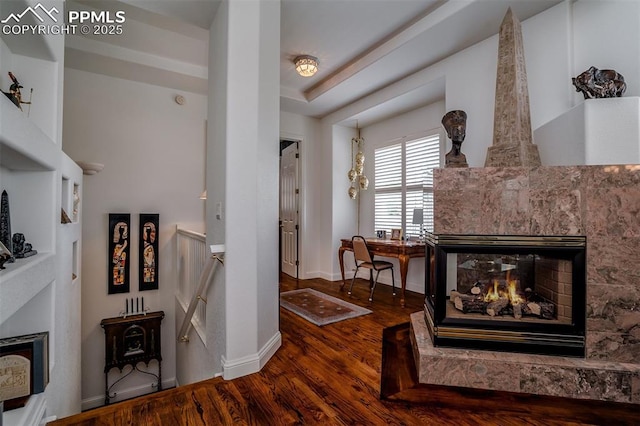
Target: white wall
{"points": [[418, 122], [606, 35], [41, 194], [252, 157], [196, 361], [267, 190], [242, 179], [345, 210], [306, 130], [153, 155], [559, 43], [471, 78]]}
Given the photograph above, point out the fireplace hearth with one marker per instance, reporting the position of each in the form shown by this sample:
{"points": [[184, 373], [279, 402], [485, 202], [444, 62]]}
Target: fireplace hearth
{"points": [[507, 293], [597, 202]]}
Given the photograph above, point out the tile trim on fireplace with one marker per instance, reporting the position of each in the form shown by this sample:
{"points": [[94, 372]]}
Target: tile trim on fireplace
{"points": [[522, 373]]}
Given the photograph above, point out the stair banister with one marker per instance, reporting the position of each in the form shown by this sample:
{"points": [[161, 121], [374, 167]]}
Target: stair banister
{"points": [[217, 256]]}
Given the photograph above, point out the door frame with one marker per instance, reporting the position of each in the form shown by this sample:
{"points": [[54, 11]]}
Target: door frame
{"points": [[287, 137]]}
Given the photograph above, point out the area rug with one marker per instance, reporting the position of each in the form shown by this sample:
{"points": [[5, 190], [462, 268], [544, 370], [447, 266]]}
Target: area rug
{"points": [[319, 308]]}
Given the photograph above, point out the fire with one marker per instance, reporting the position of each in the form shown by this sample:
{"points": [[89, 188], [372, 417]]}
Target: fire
{"points": [[494, 293], [510, 292]]}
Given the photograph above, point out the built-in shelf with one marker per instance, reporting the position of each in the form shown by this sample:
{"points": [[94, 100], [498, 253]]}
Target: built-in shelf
{"points": [[23, 146], [34, 45], [31, 414], [75, 203], [75, 261], [41, 292], [22, 280]]}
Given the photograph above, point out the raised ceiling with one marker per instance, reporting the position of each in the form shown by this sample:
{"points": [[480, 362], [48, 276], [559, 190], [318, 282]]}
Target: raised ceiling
{"points": [[362, 45]]}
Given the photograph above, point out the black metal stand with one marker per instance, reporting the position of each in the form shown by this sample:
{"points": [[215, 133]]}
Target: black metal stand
{"points": [[129, 341]]}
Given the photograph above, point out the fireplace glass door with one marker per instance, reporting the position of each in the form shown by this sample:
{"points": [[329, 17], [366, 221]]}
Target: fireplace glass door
{"points": [[523, 294]]}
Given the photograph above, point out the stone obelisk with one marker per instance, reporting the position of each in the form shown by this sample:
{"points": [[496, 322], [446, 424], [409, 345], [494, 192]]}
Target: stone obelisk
{"points": [[512, 138], [5, 224]]}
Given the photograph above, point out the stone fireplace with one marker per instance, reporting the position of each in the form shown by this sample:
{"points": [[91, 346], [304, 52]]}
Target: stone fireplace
{"points": [[599, 205]]}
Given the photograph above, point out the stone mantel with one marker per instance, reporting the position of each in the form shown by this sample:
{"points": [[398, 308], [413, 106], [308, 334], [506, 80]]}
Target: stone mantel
{"points": [[599, 202]]}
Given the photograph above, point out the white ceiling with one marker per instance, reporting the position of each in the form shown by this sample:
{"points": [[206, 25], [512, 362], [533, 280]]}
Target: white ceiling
{"points": [[362, 45]]}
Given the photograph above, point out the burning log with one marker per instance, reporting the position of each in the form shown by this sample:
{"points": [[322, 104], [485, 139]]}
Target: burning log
{"points": [[468, 303], [531, 308], [502, 300], [517, 310], [494, 308], [540, 308], [478, 289], [547, 310]]}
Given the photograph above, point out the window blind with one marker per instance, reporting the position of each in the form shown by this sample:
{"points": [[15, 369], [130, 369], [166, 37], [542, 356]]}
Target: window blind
{"points": [[404, 182]]}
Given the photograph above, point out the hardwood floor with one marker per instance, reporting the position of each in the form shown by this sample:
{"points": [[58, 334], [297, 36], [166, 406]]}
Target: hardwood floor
{"points": [[332, 375]]}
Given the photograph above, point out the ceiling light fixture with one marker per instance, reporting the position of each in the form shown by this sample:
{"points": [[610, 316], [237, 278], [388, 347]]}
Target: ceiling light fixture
{"points": [[306, 65]]}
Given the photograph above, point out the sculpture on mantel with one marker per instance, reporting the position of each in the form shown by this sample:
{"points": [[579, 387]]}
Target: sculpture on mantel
{"points": [[14, 93], [595, 83], [76, 202], [21, 248], [5, 225], [455, 123], [64, 217], [5, 255], [512, 137]]}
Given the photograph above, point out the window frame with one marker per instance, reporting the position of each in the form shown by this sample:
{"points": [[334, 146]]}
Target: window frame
{"points": [[405, 188]]}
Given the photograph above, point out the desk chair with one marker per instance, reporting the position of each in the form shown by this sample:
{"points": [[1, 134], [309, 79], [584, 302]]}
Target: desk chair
{"points": [[364, 259]]}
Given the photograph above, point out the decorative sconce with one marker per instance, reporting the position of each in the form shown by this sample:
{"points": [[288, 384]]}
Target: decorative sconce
{"points": [[306, 65], [90, 168], [359, 182]]}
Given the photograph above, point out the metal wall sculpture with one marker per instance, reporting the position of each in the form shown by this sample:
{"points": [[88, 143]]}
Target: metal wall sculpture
{"points": [[148, 269], [119, 260]]}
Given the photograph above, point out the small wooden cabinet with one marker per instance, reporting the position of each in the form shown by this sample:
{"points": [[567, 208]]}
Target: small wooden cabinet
{"points": [[129, 341]]}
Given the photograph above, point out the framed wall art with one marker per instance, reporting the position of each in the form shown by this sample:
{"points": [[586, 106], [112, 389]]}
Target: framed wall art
{"points": [[148, 268], [24, 368], [119, 260]]}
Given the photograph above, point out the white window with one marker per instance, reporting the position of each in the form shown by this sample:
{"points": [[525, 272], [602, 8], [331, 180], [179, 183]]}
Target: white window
{"points": [[404, 182]]}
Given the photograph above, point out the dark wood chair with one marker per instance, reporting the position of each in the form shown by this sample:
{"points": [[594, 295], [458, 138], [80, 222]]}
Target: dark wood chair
{"points": [[364, 259]]}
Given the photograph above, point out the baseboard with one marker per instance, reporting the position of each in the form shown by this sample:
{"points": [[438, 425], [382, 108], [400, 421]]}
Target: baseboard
{"points": [[123, 394], [416, 287], [324, 276], [232, 369]]}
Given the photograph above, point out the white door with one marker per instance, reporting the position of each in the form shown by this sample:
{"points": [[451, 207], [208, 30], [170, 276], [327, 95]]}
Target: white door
{"points": [[289, 210]]}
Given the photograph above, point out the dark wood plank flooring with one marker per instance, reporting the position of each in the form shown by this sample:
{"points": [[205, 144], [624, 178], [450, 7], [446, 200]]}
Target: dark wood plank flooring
{"points": [[332, 375]]}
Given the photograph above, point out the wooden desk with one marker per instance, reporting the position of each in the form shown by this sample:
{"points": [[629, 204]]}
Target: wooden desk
{"points": [[402, 250]]}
